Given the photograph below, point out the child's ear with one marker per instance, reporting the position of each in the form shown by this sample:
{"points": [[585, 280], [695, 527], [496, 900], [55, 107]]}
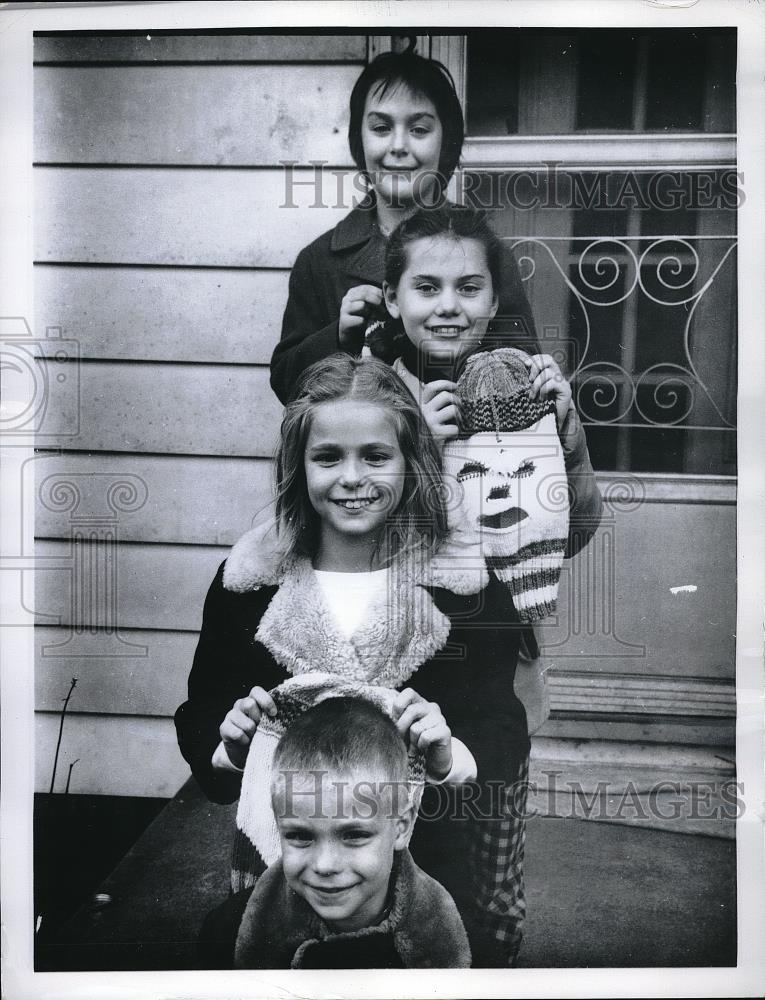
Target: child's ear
{"points": [[494, 306], [391, 302], [404, 826]]}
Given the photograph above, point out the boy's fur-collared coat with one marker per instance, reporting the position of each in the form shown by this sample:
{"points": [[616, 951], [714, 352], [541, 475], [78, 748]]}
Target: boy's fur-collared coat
{"points": [[422, 930]]}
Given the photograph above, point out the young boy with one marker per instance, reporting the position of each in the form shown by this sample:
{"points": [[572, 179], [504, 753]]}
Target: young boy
{"points": [[346, 892]]}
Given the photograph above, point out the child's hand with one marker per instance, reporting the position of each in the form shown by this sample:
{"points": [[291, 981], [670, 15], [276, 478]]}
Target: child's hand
{"points": [[239, 726], [438, 403], [547, 382], [355, 309], [420, 722]]}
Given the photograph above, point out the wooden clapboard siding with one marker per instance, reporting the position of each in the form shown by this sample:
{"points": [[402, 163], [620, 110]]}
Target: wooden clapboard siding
{"points": [[617, 613], [163, 256], [169, 408], [640, 695], [163, 313], [233, 115], [162, 47], [128, 755], [158, 586], [145, 675], [631, 647], [202, 499], [196, 500], [226, 218]]}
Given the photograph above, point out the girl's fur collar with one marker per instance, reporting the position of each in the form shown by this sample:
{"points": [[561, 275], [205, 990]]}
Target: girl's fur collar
{"points": [[402, 628], [260, 559]]}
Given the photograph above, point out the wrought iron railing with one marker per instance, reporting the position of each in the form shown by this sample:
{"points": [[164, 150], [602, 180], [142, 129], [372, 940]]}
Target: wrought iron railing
{"points": [[645, 329]]}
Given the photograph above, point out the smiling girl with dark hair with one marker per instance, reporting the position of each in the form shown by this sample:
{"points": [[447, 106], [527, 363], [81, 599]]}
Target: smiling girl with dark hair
{"points": [[405, 135]]}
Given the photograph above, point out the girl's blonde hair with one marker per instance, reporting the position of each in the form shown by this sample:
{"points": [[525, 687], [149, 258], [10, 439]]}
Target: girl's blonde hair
{"points": [[420, 520]]}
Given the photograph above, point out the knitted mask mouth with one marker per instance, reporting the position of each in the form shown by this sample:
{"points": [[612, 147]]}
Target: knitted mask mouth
{"points": [[504, 519]]}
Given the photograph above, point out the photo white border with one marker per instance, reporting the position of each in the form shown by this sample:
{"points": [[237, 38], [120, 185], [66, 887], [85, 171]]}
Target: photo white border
{"points": [[16, 647]]}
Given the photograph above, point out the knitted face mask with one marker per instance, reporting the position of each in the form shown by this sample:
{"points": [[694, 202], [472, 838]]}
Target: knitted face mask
{"points": [[508, 474]]}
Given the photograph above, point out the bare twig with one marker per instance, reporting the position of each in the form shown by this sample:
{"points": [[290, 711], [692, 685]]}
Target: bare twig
{"points": [[60, 734], [69, 776]]}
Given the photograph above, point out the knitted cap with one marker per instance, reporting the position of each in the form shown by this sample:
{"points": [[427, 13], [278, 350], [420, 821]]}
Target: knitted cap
{"points": [[510, 476], [493, 392], [256, 840]]}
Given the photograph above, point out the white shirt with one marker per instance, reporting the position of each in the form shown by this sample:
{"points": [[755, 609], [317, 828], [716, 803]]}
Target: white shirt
{"points": [[347, 596]]}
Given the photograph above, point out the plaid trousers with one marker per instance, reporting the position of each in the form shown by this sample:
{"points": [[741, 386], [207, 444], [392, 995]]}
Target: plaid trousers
{"points": [[476, 851], [495, 849]]}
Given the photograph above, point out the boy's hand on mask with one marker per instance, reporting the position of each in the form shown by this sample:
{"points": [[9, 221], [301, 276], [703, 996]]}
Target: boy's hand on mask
{"points": [[239, 726], [547, 382], [355, 310], [439, 406], [421, 723]]}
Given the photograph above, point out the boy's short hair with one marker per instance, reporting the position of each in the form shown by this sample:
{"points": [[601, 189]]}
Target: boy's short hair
{"points": [[343, 734]]}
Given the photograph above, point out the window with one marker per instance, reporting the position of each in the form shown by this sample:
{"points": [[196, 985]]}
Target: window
{"points": [[607, 159], [527, 82]]}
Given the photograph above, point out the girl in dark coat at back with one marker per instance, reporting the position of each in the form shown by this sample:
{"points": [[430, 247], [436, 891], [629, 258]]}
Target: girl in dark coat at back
{"points": [[405, 134]]}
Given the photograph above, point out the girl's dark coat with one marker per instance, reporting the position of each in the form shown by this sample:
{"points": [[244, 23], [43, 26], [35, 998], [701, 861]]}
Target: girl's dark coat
{"points": [[353, 253], [471, 678]]}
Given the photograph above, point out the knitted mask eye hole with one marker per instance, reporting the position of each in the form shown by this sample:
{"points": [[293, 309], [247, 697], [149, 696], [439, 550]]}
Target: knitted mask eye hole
{"points": [[526, 468], [470, 470]]}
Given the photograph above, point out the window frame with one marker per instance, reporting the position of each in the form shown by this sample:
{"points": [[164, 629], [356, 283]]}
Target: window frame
{"points": [[595, 152]]}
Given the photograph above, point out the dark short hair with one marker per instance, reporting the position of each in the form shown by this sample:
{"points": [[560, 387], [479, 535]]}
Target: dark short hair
{"points": [[421, 517], [454, 221], [342, 735], [426, 77], [388, 340]]}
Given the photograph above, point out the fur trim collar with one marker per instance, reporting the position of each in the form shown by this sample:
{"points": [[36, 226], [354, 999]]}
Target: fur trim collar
{"points": [[258, 559], [279, 927], [401, 630]]}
